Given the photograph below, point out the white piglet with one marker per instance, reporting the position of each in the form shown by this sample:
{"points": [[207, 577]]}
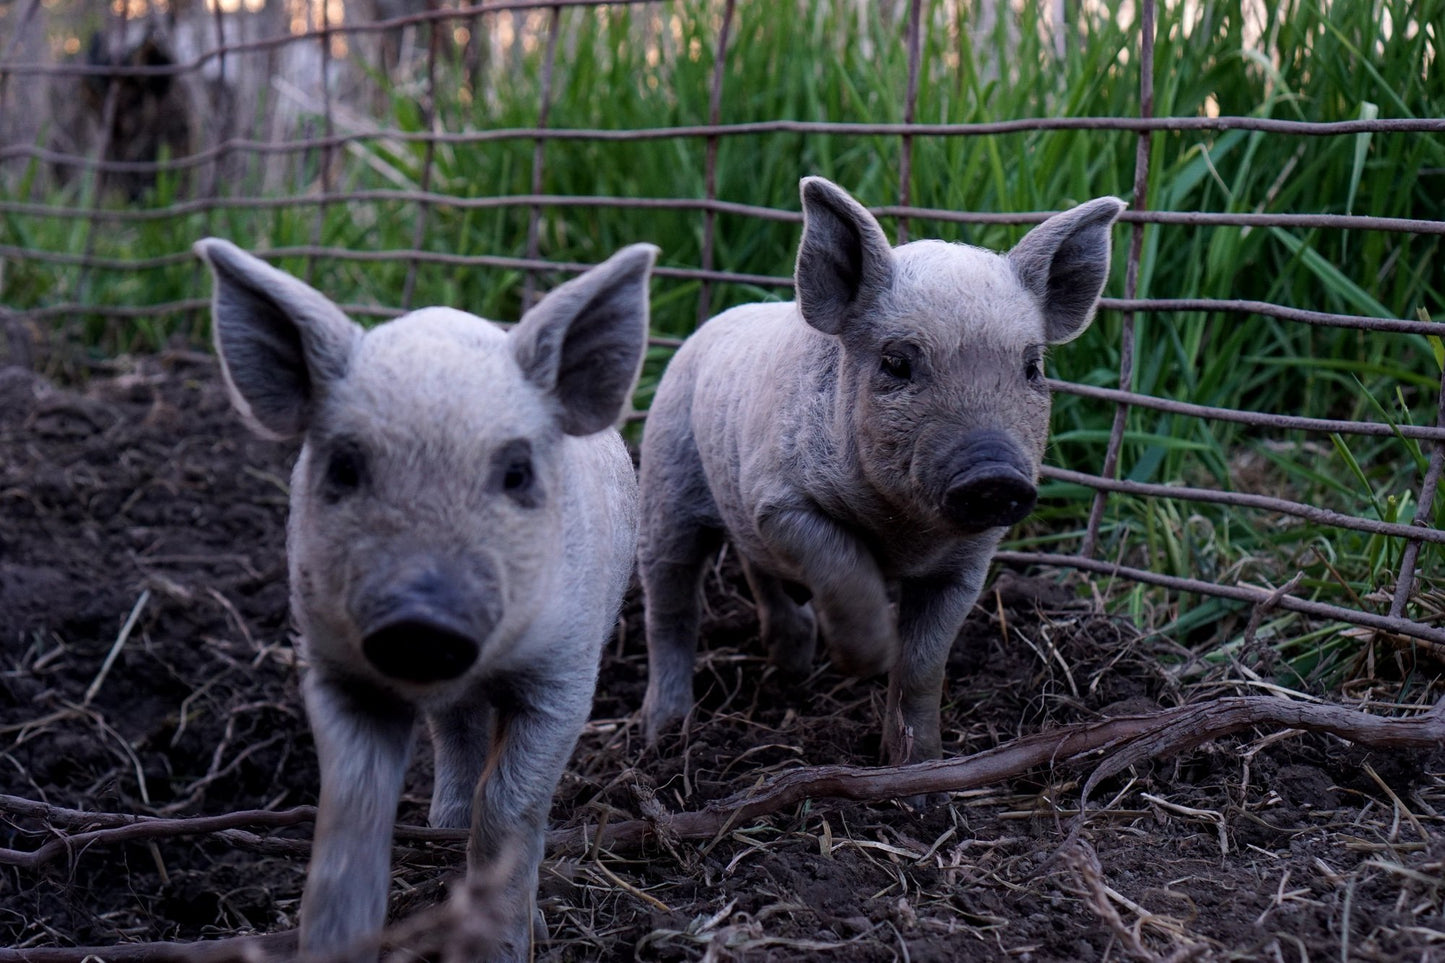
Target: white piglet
{"points": [[463, 526], [864, 448]]}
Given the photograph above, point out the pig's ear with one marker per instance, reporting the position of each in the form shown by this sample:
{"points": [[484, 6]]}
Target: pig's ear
{"points": [[280, 342], [1064, 262], [583, 343], [844, 261]]}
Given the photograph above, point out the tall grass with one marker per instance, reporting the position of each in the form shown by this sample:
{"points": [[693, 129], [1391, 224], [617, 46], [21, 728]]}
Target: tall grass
{"points": [[652, 66]]}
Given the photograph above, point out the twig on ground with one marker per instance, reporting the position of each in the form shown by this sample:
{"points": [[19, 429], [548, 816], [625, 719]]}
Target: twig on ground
{"points": [[1083, 862], [1213, 817], [1400, 807], [120, 640]]}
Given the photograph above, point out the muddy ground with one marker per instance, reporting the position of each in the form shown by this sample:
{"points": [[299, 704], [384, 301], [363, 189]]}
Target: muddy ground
{"points": [[138, 497]]}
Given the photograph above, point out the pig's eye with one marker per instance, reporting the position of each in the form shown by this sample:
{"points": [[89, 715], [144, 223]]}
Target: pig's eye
{"points": [[514, 475], [1034, 369], [897, 366], [517, 477], [345, 472]]}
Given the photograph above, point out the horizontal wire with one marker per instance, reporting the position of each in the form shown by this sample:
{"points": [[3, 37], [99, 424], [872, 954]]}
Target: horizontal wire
{"points": [[1242, 593], [743, 129], [1183, 218], [1320, 516]]}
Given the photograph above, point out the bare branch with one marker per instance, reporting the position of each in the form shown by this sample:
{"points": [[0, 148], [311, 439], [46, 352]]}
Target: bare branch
{"points": [[121, 828]]}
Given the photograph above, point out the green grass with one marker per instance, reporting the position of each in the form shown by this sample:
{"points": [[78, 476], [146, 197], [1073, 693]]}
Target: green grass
{"points": [[641, 67]]}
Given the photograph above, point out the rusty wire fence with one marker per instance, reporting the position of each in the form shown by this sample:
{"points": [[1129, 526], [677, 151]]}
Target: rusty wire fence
{"points": [[321, 133]]}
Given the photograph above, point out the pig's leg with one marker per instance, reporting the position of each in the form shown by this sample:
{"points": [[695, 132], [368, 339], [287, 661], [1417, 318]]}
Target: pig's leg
{"points": [[362, 742], [930, 613], [671, 560], [460, 735], [679, 531], [536, 729], [850, 597], [788, 629]]}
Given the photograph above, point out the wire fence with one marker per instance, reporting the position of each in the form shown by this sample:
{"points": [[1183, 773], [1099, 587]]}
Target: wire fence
{"points": [[323, 142]]}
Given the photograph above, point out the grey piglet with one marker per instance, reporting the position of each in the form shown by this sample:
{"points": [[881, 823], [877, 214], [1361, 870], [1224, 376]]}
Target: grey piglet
{"points": [[866, 444], [462, 529]]}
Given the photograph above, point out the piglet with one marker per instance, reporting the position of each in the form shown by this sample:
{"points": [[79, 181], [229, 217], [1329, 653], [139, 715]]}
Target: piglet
{"points": [[463, 526], [864, 449]]}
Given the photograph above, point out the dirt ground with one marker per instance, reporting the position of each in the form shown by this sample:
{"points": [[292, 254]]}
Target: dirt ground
{"points": [[139, 498]]}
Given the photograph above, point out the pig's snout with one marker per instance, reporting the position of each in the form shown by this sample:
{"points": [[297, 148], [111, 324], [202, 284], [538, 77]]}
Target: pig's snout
{"points": [[990, 496], [418, 649], [993, 486], [430, 628]]}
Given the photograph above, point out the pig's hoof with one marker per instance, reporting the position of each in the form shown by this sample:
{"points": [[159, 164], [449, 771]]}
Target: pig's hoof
{"points": [[658, 721]]}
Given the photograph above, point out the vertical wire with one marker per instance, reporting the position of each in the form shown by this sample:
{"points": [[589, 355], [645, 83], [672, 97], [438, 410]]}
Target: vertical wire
{"points": [[714, 117], [97, 177], [217, 121], [1131, 274], [21, 22], [428, 120], [539, 150], [910, 110], [317, 232]]}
